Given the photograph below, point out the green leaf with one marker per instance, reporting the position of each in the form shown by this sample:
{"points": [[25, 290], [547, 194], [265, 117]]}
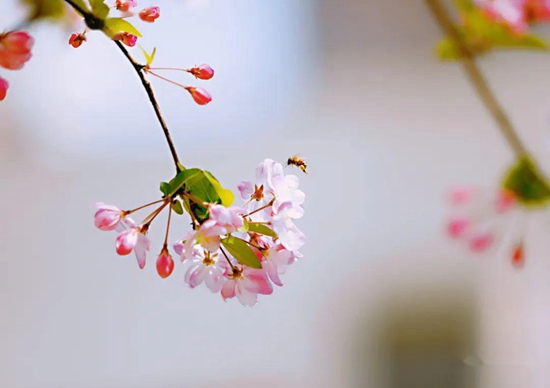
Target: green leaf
{"points": [[99, 8], [149, 60], [115, 25], [242, 252], [225, 195], [177, 208], [261, 229], [527, 183], [165, 188], [179, 180], [527, 41], [48, 9]]}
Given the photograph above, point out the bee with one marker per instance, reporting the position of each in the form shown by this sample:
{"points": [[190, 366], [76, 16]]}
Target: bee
{"points": [[298, 162]]}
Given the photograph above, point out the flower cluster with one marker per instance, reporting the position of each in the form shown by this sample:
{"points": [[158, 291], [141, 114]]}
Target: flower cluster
{"points": [[483, 219], [148, 15], [517, 14], [238, 251], [15, 51]]}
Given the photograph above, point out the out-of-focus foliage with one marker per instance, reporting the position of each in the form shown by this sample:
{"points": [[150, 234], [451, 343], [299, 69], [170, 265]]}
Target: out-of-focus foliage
{"points": [[527, 182], [481, 34]]}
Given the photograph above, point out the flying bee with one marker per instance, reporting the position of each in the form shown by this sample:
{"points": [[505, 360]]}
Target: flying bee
{"points": [[298, 162]]}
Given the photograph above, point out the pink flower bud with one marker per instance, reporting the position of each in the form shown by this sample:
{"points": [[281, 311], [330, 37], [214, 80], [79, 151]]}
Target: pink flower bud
{"points": [[107, 217], [15, 49], [150, 14], [201, 96], [457, 227], [165, 264], [481, 242], [3, 88], [126, 241], [77, 39], [128, 39], [203, 71], [124, 5]]}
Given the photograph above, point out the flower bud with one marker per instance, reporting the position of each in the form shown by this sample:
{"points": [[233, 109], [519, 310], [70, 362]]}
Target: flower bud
{"points": [[201, 96], [165, 264], [203, 71], [77, 39], [126, 38], [124, 5], [3, 88], [150, 14]]}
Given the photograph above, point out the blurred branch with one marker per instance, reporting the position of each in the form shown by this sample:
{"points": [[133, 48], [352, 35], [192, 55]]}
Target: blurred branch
{"points": [[476, 78], [94, 23]]}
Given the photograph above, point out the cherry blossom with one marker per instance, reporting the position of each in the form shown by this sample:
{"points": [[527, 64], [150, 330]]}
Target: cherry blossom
{"points": [[150, 14], [517, 14], [133, 239], [206, 267], [245, 284]]}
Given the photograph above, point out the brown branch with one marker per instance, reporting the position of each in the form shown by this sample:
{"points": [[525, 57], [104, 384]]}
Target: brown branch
{"points": [[149, 89], [95, 23], [476, 78]]}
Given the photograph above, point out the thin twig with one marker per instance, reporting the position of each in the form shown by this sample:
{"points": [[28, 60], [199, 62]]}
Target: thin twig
{"points": [[139, 70], [95, 23], [476, 78]]}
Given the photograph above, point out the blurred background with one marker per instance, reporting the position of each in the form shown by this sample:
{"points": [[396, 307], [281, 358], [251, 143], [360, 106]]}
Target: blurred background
{"points": [[382, 299]]}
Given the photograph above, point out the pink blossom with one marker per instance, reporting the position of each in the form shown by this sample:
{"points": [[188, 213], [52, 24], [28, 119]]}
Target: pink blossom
{"points": [[228, 218], [149, 14], [276, 259], [124, 5], [246, 284], [3, 88], [201, 96], [289, 235], [133, 239], [203, 72], [208, 268], [107, 217], [15, 49], [517, 14]]}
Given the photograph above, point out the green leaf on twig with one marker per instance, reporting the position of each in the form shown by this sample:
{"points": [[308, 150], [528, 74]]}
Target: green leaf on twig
{"points": [[241, 251], [115, 25], [261, 229]]}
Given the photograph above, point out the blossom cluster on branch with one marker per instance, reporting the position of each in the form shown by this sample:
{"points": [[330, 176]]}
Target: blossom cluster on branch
{"points": [[239, 251]]}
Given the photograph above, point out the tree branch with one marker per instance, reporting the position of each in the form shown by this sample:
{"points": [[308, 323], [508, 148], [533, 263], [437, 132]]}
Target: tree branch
{"points": [[476, 78], [93, 22]]}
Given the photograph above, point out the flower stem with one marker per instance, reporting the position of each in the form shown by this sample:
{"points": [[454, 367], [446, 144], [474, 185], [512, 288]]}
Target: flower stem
{"points": [[229, 261], [168, 226], [143, 206], [260, 209], [475, 76]]}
